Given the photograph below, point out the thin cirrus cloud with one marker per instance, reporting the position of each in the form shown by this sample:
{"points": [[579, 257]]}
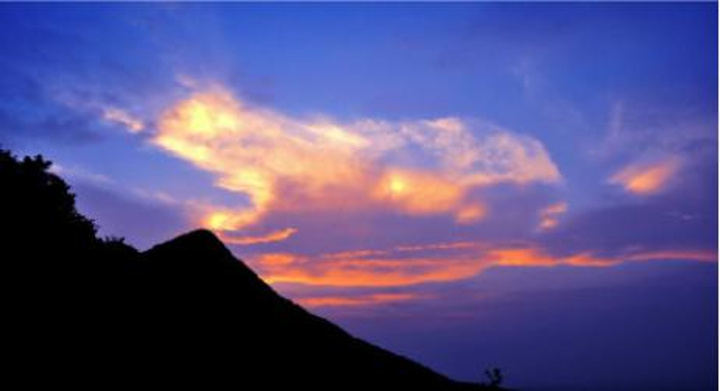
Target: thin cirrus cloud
{"points": [[399, 266], [404, 266], [647, 178], [274, 236], [122, 117], [286, 164], [364, 272], [375, 269], [371, 299]]}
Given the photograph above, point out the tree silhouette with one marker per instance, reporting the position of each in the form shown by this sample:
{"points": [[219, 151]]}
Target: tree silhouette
{"points": [[495, 378], [39, 216], [35, 201]]}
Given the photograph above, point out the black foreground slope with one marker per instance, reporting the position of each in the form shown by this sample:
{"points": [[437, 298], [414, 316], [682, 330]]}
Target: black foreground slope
{"points": [[265, 337], [187, 312], [83, 312]]}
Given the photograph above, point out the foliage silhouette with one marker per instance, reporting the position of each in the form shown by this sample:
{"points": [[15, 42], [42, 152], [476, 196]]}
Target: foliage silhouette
{"points": [[37, 202], [495, 378], [90, 312]]}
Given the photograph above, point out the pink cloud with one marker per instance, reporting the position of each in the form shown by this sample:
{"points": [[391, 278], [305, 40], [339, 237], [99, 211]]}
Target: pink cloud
{"points": [[404, 266], [647, 178], [275, 236], [285, 164]]}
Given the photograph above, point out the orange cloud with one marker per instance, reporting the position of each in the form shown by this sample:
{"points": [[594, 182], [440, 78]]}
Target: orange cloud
{"points": [[364, 268], [646, 179], [549, 215], [378, 268], [533, 256], [319, 164], [355, 301], [275, 236], [372, 268], [470, 214], [521, 257], [419, 193], [537, 257], [368, 272], [275, 259], [453, 262]]}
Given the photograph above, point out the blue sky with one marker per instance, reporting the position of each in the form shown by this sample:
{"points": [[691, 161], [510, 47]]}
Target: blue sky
{"points": [[434, 177]]}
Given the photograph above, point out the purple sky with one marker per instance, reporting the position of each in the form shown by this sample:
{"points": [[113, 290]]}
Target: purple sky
{"points": [[530, 186]]}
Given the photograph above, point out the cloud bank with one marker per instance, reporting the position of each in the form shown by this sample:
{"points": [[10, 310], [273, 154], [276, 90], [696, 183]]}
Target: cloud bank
{"points": [[282, 163], [291, 175]]}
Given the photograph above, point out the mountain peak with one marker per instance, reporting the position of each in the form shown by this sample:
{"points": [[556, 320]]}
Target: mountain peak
{"points": [[201, 237], [199, 244], [200, 255]]}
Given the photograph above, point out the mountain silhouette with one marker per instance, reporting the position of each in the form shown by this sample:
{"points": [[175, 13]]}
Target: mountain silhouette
{"points": [[88, 312]]}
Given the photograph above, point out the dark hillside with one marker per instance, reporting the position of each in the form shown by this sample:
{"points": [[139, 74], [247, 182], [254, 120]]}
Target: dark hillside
{"points": [[85, 311]]}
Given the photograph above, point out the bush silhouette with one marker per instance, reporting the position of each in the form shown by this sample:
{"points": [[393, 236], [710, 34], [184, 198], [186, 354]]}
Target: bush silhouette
{"points": [[495, 378], [39, 215], [35, 202]]}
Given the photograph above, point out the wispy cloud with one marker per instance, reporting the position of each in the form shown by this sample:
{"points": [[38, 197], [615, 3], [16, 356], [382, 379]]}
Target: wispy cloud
{"points": [[533, 256], [687, 255], [122, 117], [364, 272], [78, 173], [275, 236], [405, 266], [550, 214], [356, 300]]}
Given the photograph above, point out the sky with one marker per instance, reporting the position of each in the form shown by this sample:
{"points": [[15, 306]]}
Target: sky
{"points": [[521, 185]]}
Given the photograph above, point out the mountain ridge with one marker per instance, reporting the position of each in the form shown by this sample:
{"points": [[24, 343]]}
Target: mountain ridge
{"points": [[253, 284], [89, 312]]}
